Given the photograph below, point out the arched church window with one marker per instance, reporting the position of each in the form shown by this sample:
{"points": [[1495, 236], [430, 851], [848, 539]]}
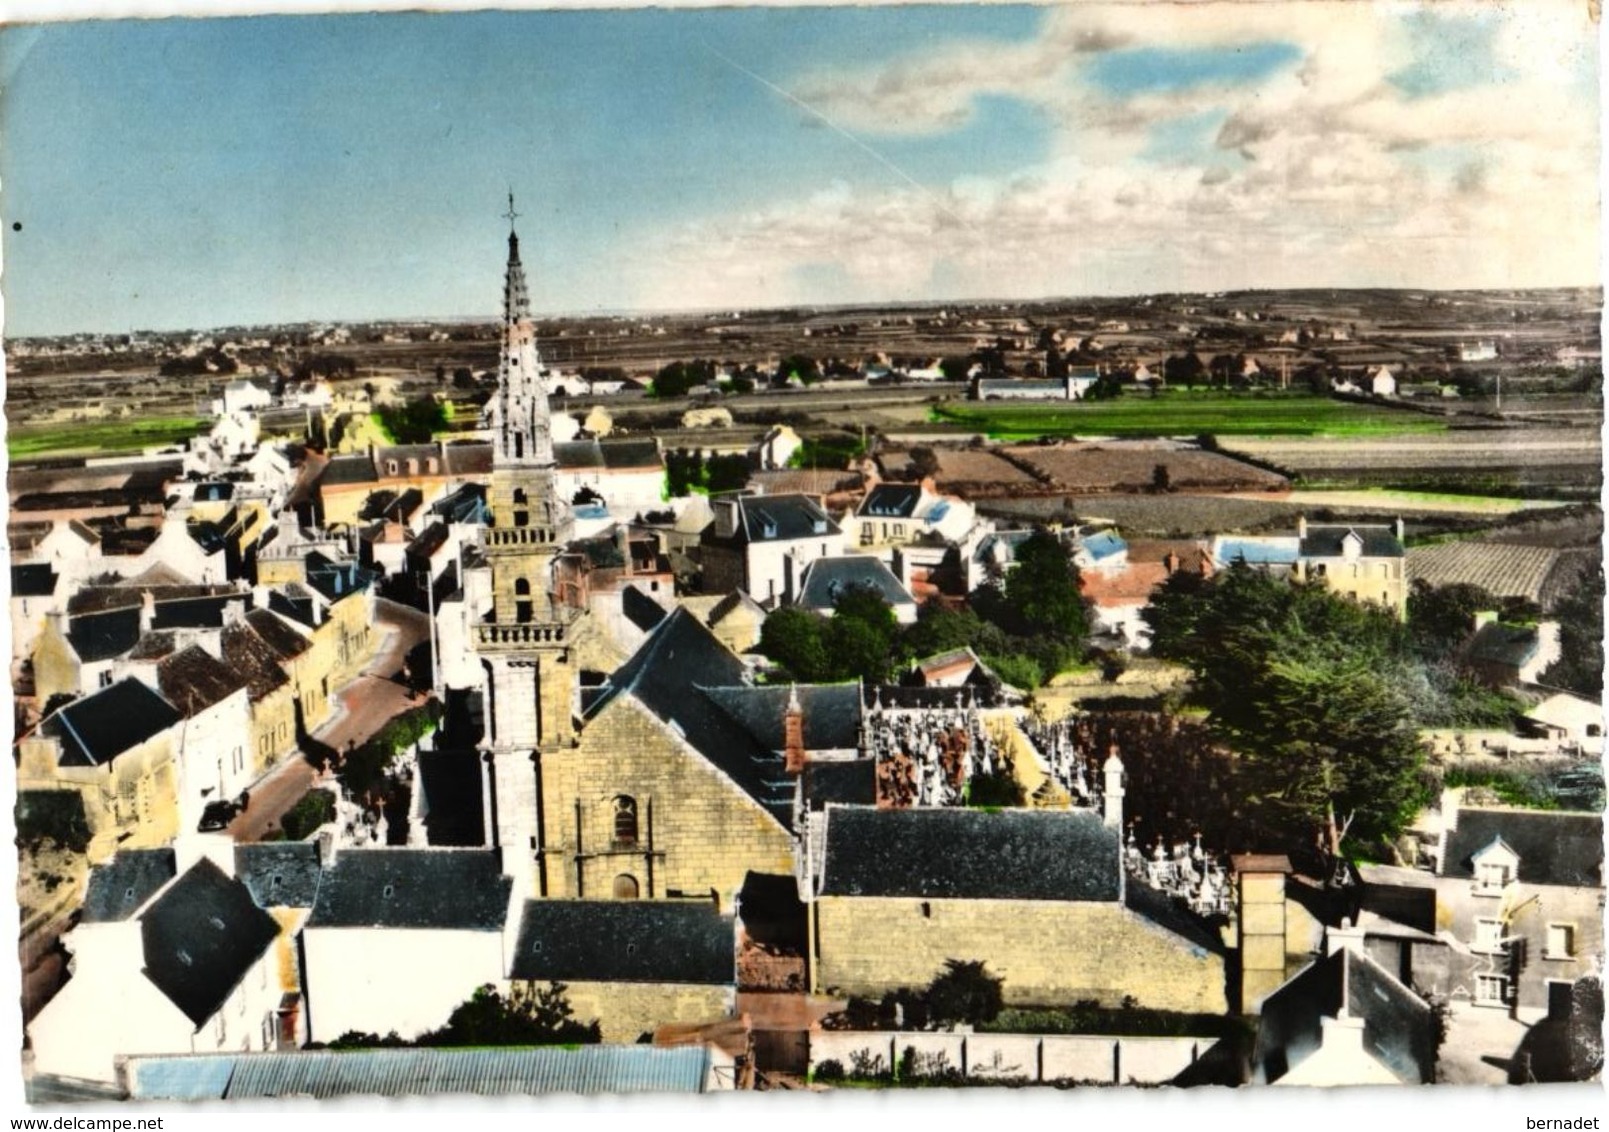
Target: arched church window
{"points": [[522, 587], [625, 820], [625, 887]]}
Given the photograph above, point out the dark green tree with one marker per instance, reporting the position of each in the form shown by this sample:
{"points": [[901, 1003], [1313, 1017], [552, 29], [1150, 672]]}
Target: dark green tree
{"points": [[529, 1016], [965, 992], [1041, 592], [792, 637], [1580, 615]]}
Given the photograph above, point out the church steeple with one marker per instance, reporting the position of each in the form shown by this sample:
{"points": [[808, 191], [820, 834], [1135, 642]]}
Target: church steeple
{"points": [[522, 428]]}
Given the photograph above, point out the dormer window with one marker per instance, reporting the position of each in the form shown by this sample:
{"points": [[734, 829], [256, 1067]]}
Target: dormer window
{"points": [[1492, 876]]}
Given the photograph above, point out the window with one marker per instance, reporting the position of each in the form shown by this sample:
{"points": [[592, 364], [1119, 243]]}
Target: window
{"points": [[1561, 941], [106, 678], [1488, 934], [1491, 990], [1492, 876], [625, 820]]}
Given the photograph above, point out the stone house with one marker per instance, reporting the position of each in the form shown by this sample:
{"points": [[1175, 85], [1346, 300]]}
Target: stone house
{"points": [[283, 879], [827, 579], [270, 695], [1501, 655], [213, 745], [1366, 563], [632, 966], [896, 514], [116, 748], [171, 956], [37, 590], [736, 620], [761, 544], [901, 891]]}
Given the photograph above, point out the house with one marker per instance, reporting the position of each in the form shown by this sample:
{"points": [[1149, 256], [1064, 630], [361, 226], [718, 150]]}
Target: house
{"points": [[213, 745], [180, 961], [761, 544], [399, 938], [631, 965], [627, 474], [1100, 552], [241, 396], [1365, 562], [1345, 1020], [828, 579], [37, 589], [1511, 916], [1073, 387], [777, 447], [1500, 655], [1120, 595], [956, 668], [987, 555], [283, 879], [1274, 554], [736, 620], [116, 749], [895, 514], [1572, 719], [900, 891], [1380, 381]]}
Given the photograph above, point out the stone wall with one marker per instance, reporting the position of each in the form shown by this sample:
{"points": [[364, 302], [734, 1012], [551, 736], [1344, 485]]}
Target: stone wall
{"points": [[626, 1011], [1049, 952], [1014, 1057]]}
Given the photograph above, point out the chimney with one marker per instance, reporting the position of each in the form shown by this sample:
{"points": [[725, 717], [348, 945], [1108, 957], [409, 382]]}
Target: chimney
{"points": [[219, 848], [1399, 528], [1113, 795], [793, 745], [1170, 562], [147, 611]]}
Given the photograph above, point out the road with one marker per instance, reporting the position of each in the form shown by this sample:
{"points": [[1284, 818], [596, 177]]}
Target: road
{"points": [[362, 707]]}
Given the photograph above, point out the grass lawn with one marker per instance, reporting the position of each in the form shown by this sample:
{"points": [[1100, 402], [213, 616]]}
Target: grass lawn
{"points": [[91, 437], [1181, 413]]}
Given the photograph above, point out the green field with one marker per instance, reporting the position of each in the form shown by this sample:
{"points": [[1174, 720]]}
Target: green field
{"points": [[90, 437], [1186, 414]]}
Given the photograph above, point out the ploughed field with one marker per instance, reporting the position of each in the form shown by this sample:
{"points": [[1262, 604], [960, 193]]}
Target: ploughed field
{"points": [[1564, 462], [1119, 467]]}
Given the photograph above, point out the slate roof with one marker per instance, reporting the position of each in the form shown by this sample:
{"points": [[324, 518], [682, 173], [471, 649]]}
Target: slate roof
{"points": [[121, 886], [1397, 1024], [664, 676], [194, 680], [96, 729], [625, 941], [1257, 552], [344, 470], [294, 602], [970, 854], [335, 580], [827, 579], [1507, 645], [33, 579], [611, 454], [1325, 541], [280, 874], [780, 518], [131, 592], [469, 458], [194, 612], [851, 782], [640, 609], [891, 501], [280, 637], [101, 636], [595, 1070], [154, 646], [429, 541], [466, 505], [831, 713], [1554, 847], [201, 936], [444, 889]]}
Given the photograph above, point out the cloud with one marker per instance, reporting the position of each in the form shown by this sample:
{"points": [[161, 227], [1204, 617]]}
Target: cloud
{"points": [[1324, 171]]}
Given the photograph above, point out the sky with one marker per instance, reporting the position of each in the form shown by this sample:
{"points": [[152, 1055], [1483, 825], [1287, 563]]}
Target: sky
{"points": [[203, 172]]}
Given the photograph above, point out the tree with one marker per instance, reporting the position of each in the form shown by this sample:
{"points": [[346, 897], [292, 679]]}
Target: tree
{"points": [[1042, 590], [791, 637], [726, 473], [1161, 479], [1440, 618], [529, 1016], [1580, 615], [798, 366], [416, 422], [965, 992]]}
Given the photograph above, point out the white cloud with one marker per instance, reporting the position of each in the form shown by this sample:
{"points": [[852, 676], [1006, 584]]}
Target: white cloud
{"points": [[1325, 172]]}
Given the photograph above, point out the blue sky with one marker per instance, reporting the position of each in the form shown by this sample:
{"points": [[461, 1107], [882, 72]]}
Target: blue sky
{"points": [[176, 173]]}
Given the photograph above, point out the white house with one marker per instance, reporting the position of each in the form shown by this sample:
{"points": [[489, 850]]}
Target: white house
{"points": [[212, 747], [1572, 718], [894, 514], [762, 544], [399, 938], [1381, 382], [241, 396], [171, 955], [777, 447]]}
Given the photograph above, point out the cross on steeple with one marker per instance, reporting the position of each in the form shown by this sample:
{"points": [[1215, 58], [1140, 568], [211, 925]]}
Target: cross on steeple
{"points": [[511, 215]]}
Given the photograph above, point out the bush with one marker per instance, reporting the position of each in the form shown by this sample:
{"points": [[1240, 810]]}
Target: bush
{"points": [[52, 815], [315, 809], [995, 790], [1018, 671], [829, 1070], [965, 992]]}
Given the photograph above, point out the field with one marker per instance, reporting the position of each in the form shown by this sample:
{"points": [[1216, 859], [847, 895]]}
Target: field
{"points": [[1133, 467], [1181, 413], [1505, 571], [104, 436], [1550, 462]]}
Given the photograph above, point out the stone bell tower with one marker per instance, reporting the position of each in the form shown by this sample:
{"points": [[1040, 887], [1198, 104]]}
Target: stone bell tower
{"points": [[526, 641]]}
